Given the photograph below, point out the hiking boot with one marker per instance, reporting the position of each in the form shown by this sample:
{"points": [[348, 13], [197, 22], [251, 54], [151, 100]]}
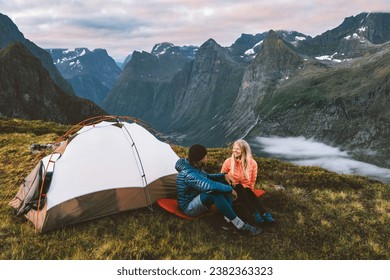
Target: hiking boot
{"points": [[247, 228], [227, 225], [268, 217]]}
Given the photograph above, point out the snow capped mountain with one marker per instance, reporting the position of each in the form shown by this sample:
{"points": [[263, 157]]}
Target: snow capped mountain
{"points": [[248, 46], [91, 73], [70, 57], [169, 48], [160, 49], [65, 58]]}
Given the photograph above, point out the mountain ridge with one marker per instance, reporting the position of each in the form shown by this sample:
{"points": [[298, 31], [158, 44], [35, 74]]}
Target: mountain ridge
{"points": [[332, 87], [9, 33], [27, 90], [258, 85]]}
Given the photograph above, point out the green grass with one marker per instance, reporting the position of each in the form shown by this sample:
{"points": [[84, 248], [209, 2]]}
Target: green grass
{"points": [[318, 84], [320, 215]]}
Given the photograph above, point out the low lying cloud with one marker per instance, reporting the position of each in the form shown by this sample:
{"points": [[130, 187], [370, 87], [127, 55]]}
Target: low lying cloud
{"points": [[298, 147], [308, 152]]}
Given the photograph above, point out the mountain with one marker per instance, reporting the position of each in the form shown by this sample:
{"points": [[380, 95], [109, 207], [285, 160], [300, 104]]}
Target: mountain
{"points": [[162, 87], [146, 79], [345, 105], [351, 38], [333, 87], [91, 74], [188, 51], [159, 49], [9, 33], [213, 80], [27, 91], [247, 46], [275, 63], [127, 59]]}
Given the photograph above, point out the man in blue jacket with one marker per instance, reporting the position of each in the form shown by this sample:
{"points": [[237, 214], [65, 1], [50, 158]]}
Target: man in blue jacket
{"points": [[198, 190]]}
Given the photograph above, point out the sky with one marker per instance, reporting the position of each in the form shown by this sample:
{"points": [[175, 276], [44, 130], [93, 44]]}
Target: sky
{"points": [[121, 26]]}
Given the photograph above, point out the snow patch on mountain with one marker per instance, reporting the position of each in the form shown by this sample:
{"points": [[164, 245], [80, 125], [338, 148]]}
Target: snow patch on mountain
{"points": [[252, 50], [69, 55], [331, 58]]}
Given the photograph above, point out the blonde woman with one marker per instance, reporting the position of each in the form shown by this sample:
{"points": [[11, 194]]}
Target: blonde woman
{"points": [[243, 169]]}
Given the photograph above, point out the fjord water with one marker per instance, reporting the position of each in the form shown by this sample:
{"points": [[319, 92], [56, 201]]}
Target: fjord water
{"points": [[308, 152]]}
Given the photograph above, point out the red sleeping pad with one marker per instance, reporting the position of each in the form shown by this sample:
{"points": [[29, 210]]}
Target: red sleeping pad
{"points": [[170, 205]]}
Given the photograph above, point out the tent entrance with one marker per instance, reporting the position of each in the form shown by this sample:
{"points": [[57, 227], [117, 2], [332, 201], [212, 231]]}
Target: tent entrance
{"points": [[36, 186]]}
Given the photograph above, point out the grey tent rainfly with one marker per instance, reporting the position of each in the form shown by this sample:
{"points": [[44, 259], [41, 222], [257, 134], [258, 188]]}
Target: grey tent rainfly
{"points": [[108, 165]]}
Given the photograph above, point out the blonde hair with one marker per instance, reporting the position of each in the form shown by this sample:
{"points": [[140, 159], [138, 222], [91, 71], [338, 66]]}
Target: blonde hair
{"points": [[246, 156]]}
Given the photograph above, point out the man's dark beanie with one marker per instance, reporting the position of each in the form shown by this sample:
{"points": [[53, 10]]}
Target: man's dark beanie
{"points": [[196, 153]]}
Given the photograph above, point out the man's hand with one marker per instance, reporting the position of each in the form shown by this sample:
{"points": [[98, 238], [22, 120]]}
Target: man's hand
{"points": [[234, 195]]}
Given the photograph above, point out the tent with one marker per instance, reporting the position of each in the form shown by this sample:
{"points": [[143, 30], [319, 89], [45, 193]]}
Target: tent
{"points": [[109, 165]]}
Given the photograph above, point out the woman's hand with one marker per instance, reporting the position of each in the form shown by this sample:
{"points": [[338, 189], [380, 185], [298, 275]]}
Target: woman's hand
{"points": [[229, 179]]}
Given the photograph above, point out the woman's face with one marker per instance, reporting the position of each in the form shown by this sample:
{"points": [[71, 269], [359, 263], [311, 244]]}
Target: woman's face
{"points": [[236, 151]]}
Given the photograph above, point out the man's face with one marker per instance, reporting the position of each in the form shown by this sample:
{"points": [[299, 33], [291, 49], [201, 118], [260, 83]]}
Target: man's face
{"points": [[203, 161]]}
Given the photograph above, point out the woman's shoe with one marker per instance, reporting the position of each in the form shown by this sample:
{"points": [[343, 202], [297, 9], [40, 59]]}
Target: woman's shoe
{"points": [[257, 217], [268, 217]]}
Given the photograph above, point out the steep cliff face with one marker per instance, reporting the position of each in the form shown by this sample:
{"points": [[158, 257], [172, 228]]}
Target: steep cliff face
{"points": [[274, 64], [9, 33], [212, 85], [142, 89], [27, 91], [179, 95], [212, 75]]}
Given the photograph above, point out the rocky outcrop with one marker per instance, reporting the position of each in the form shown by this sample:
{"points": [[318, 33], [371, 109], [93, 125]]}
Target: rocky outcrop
{"points": [[9, 33], [27, 91]]}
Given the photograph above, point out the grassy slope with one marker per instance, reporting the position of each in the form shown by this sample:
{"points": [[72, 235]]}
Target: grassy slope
{"points": [[321, 215], [322, 84]]}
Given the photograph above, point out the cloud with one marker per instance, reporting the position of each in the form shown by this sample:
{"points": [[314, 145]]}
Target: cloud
{"points": [[298, 147], [121, 26], [309, 152]]}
